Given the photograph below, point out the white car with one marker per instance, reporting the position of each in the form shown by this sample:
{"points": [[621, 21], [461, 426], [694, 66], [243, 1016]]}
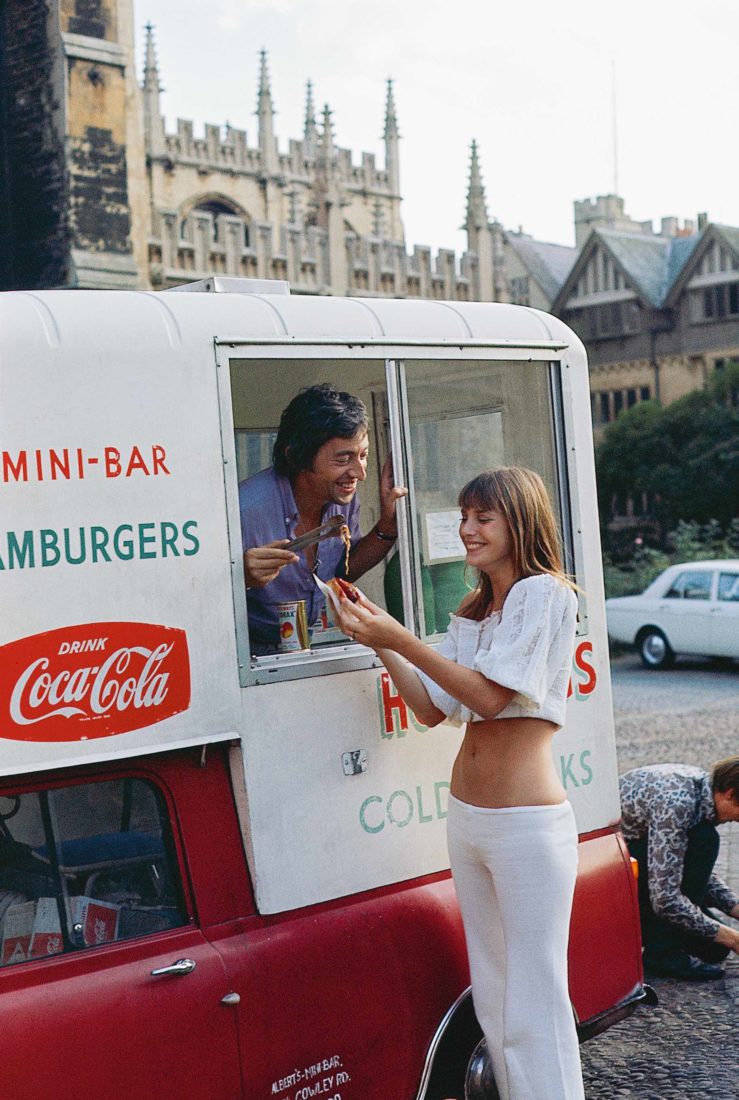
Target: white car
{"points": [[691, 608]]}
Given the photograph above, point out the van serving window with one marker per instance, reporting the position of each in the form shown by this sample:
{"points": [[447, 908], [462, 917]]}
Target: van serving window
{"points": [[443, 422], [268, 509], [84, 865], [465, 417]]}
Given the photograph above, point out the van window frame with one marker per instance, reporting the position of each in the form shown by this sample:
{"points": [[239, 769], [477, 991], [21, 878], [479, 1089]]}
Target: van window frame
{"points": [[43, 785], [352, 656]]}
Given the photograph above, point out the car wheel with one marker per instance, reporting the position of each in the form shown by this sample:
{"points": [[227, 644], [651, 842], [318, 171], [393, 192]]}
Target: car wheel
{"points": [[654, 649]]}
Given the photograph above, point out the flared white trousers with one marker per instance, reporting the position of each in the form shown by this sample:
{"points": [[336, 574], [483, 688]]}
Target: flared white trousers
{"points": [[514, 872]]}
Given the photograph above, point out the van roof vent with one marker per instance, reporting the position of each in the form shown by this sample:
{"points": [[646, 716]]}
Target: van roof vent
{"points": [[224, 284]]}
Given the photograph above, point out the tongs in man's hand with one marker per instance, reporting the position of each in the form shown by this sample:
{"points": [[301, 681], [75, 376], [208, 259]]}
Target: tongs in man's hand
{"points": [[328, 529]]}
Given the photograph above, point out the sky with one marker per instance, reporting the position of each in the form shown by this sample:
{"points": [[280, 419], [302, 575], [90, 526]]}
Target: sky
{"points": [[534, 82]]}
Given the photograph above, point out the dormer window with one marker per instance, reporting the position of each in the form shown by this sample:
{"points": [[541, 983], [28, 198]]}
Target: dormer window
{"points": [[720, 301]]}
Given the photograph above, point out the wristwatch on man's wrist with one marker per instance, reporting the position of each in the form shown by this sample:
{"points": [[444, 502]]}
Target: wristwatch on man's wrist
{"points": [[384, 536]]}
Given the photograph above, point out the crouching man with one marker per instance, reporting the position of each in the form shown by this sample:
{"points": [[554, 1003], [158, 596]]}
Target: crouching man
{"points": [[669, 818]]}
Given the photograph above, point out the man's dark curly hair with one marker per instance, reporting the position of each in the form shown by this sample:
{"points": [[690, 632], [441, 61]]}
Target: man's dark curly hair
{"points": [[314, 416]]}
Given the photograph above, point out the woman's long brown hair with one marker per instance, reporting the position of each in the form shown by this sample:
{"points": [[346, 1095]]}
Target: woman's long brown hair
{"points": [[522, 499]]}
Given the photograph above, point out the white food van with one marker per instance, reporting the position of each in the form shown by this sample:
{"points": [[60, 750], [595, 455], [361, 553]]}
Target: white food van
{"points": [[237, 862]]}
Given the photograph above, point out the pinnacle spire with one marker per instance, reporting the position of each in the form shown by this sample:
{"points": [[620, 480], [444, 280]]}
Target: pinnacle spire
{"points": [[310, 131], [151, 68], [477, 214], [310, 111], [391, 119], [392, 142], [327, 155], [327, 135], [264, 94], [154, 136], [265, 118]]}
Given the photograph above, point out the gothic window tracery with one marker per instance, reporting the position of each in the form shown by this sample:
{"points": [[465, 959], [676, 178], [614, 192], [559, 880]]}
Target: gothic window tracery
{"points": [[215, 207]]}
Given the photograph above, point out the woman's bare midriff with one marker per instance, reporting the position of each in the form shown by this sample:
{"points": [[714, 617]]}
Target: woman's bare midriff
{"points": [[507, 762]]}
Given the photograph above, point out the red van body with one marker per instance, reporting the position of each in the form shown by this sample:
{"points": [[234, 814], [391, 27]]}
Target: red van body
{"points": [[341, 999]]}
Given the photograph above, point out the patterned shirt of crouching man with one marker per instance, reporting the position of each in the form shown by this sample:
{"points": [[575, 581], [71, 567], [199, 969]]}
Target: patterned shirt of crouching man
{"points": [[663, 802]]}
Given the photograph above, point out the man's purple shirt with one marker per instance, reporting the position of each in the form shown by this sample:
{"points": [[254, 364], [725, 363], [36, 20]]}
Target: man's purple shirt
{"points": [[269, 512]]}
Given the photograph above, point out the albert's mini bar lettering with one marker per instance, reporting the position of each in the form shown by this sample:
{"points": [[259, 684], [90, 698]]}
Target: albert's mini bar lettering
{"points": [[76, 463], [93, 680]]}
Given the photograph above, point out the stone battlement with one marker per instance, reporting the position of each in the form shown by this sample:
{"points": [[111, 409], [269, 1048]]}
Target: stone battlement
{"points": [[226, 148], [184, 250]]}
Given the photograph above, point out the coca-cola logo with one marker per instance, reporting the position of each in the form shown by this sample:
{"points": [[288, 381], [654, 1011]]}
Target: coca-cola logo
{"points": [[94, 680]]}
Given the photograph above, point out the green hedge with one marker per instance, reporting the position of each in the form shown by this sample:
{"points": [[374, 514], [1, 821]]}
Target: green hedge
{"points": [[688, 542]]}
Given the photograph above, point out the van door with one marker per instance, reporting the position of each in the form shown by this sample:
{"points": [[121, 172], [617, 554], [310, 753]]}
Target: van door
{"points": [[107, 987]]}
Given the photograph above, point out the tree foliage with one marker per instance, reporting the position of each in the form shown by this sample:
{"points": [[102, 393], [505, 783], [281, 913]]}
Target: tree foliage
{"points": [[683, 456], [688, 542]]}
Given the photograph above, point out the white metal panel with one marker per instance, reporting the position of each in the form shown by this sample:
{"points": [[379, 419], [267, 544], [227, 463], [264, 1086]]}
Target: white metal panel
{"points": [[308, 839], [315, 833], [92, 319], [92, 378], [585, 749]]}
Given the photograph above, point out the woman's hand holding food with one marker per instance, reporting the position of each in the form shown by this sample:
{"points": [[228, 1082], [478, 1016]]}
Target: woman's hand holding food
{"points": [[368, 624]]}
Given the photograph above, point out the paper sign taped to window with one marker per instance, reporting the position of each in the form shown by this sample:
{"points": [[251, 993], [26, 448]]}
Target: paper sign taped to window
{"points": [[442, 537]]}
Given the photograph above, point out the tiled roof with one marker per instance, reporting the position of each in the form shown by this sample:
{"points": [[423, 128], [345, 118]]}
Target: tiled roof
{"points": [[643, 257], [549, 264], [652, 263], [682, 248], [731, 235], [682, 255]]}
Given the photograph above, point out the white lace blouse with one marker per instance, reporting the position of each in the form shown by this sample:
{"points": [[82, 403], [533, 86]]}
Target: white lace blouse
{"points": [[527, 647]]}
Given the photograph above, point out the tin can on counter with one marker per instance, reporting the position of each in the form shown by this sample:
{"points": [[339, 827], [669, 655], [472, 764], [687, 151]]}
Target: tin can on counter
{"points": [[293, 626]]}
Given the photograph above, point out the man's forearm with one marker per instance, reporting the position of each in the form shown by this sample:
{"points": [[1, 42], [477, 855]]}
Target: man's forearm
{"points": [[720, 896]]}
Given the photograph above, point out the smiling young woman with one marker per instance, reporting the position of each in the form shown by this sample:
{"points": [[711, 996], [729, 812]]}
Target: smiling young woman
{"points": [[503, 669]]}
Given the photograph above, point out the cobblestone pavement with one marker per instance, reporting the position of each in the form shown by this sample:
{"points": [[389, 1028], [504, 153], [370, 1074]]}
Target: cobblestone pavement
{"points": [[689, 1045]]}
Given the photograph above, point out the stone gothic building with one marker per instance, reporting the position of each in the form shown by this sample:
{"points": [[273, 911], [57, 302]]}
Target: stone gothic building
{"points": [[101, 195]]}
